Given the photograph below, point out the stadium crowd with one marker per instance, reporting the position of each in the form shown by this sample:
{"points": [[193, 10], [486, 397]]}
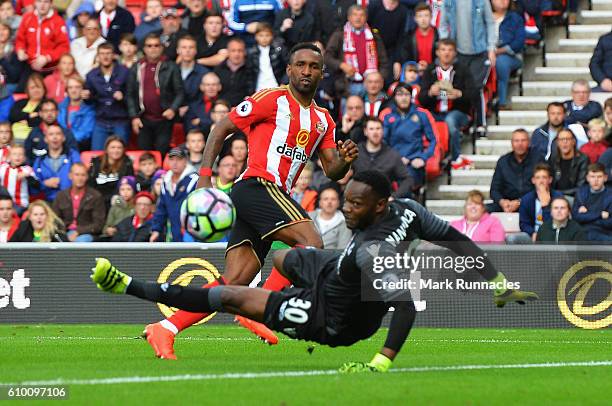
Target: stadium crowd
{"points": [[106, 107]]}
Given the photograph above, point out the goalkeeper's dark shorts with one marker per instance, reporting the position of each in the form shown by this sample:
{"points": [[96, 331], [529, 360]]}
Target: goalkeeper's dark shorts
{"points": [[299, 312], [262, 208]]}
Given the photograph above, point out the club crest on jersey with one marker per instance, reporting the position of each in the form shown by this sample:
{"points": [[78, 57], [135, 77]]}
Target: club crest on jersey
{"points": [[320, 127], [244, 108], [301, 139]]}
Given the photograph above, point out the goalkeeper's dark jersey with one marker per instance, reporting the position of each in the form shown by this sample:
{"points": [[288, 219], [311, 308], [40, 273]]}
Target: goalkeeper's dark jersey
{"points": [[347, 315]]}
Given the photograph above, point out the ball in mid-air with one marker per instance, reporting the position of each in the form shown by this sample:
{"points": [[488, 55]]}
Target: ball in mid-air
{"points": [[207, 214]]}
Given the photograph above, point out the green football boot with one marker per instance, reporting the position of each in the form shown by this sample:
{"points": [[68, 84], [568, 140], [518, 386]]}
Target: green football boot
{"points": [[108, 278]]}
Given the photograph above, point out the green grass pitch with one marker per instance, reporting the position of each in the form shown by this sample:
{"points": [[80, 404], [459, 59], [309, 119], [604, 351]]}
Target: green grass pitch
{"points": [[226, 365]]}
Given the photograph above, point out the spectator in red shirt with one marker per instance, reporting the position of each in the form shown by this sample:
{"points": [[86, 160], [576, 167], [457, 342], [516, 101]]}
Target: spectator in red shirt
{"points": [[42, 37], [596, 145], [419, 45], [56, 82], [154, 95]]}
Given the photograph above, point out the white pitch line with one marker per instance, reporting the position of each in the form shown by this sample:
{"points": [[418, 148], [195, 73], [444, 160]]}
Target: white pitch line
{"points": [[75, 338], [291, 374], [411, 340], [506, 341]]}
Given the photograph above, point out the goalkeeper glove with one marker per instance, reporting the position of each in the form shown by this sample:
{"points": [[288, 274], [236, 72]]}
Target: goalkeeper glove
{"points": [[379, 363], [502, 295]]}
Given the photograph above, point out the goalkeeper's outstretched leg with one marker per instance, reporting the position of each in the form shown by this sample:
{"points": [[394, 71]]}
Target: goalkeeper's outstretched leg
{"points": [[239, 300]]}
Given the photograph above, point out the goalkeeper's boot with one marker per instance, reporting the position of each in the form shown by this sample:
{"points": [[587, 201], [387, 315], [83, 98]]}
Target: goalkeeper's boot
{"points": [[357, 367], [261, 331], [513, 295], [108, 278], [161, 340]]}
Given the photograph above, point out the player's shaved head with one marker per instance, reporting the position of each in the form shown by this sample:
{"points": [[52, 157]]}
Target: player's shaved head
{"points": [[377, 181], [302, 46], [366, 198]]}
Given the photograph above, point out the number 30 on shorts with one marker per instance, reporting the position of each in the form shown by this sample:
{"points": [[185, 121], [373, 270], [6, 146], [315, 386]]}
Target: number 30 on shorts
{"points": [[295, 310]]}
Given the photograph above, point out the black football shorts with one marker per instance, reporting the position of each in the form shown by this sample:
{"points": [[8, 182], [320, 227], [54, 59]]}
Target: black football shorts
{"points": [[299, 312], [262, 208]]}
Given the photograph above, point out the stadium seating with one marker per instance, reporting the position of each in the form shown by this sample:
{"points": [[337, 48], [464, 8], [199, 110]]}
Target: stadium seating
{"points": [[550, 17], [566, 60], [435, 165], [178, 135], [565, 51], [87, 156], [510, 221]]}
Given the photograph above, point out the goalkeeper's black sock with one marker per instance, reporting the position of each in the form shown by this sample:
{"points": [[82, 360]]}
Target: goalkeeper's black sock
{"points": [[183, 297]]}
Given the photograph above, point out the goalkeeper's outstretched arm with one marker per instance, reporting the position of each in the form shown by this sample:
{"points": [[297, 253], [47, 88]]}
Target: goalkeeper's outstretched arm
{"points": [[462, 245], [401, 324]]}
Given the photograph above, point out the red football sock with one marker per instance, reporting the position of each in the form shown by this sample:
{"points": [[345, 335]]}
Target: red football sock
{"points": [[183, 319], [276, 281]]}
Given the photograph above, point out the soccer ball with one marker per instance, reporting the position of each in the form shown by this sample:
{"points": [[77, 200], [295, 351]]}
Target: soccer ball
{"points": [[207, 214]]}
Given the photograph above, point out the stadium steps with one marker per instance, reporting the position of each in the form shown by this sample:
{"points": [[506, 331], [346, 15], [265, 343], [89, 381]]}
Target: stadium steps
{"points": [[552, 88], [534, 102], [456, 192], [519, 118], [567, 59], [492, 147], [448, 207], [472, 176], [504, 132], [562, 73], [602, 4], [596, 16], [481, 161], [577, 45], [588, 31]]}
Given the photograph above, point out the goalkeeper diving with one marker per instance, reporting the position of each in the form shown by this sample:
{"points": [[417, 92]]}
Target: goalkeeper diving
{"points": [[325, 303]]}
